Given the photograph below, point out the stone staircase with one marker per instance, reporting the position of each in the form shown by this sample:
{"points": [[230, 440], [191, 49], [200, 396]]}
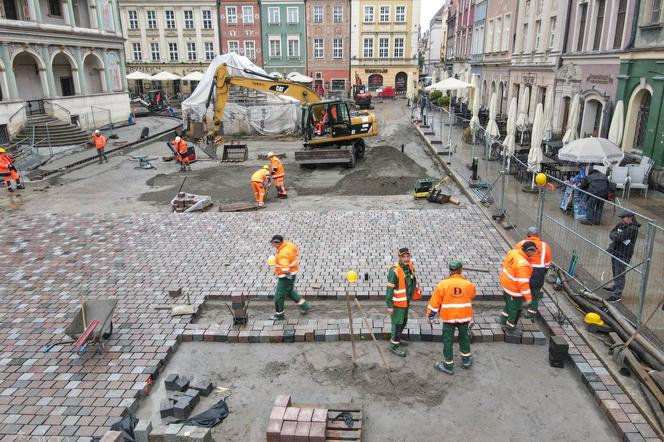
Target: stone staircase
{"points": [[46, 127]]}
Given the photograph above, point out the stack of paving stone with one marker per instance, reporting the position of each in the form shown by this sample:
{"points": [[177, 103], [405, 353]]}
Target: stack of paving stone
{"points": [[188, 202], [239, 308], [182, 396], [294, 424]]}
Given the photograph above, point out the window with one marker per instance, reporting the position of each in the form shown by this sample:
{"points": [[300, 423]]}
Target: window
{"points": [[207, 19], [338, 48], [275, 47], [524, 40], [250, 49], [583, 10], [338, 85], [209, 50], [293, 16], [655, 11], [338, 14], [155, 54], [384, 14], [398, 47], [538, 34], [189, 19], [173, 51], [318, 14], [248, 15], [497, 38], [133, 19], [507, 33], [274, 16], [368, 14], [620, 24], [599, 24], [54, 8], [489, 37], [400, 15], [231, 15], [136, 51], [233, 46], [170, 19], [368, 47], [552, 32], [538, 10], [293, 47], [191, 51], [383, 47], [152, 19], [318, 48]]}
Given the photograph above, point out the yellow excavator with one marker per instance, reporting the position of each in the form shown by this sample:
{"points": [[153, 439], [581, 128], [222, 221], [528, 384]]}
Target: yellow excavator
{"points": [[331, 132]]}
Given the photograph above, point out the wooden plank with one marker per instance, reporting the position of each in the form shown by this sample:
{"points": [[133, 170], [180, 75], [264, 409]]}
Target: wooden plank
{"points": [[341, 425], [332, 414], [342, 435], [237, 207], [658, 377]]}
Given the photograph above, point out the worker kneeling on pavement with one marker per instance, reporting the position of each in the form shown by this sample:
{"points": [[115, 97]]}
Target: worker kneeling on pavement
{"points": [[181, 153], [452, 299], [286, 267], [541, 261], [8, 171], [259, 181], [515, 280], [278, 174], [401, 288]]}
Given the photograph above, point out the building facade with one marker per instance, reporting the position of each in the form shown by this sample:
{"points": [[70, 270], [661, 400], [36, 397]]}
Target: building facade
{"points": [[240, 29], [477, 45], [176, 36], [53, 56], [452, 7], [464, 37], [384, 43], [284, 40], [434, 55], [328, 35]]}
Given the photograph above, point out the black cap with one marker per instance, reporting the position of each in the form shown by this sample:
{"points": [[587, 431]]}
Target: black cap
{"points": [[529, 245], [277, 238], [403, 251], [623, 213]]}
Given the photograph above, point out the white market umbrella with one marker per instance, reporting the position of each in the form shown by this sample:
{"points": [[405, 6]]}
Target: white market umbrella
{"points": [[573, 121], [535, 154], [276, 74], [548, 115], [617, 124], [491, 127], [299, 78], [449, 84], [473, 92], [165, 76], [139, 76], [593, 151], [193, 76], [445, 76], [524, 104], [510, 140]]}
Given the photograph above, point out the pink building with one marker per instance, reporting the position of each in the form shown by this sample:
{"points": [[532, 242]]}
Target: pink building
{"points": [[240, 26], [463, 33]]}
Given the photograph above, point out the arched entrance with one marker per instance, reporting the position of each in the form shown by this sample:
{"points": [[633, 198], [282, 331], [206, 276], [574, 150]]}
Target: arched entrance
{"points": [[30, 83], [592, 118], [63, 75], [375, 82], [566, 108], [92, 71], [401, 83], [638, 113], [485, 91]]}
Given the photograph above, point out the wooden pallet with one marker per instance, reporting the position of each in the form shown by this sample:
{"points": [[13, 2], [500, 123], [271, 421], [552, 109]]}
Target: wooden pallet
{"points": [[336, 430], [237, 207]]}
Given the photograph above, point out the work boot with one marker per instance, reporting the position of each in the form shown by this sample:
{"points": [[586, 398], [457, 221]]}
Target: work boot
{"points": [[277, 317], [404, 343], [502, 319], [466, 362], [10, 190], [530, 314], [283, 196], [304, 308], [397, 350], [20, 185], [445, 368], [514, 331]]}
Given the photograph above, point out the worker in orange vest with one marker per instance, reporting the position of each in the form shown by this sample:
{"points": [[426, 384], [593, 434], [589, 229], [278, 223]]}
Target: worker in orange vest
{"points": [[401, 288], [541, 261], [286, 267], [182, 153], [8, 171], [278, 174], [100, 144], [451, 299], [259, 181], [515, 280]]}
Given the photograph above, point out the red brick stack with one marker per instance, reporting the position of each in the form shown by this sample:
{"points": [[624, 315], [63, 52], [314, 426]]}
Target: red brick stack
{"points": [[295, 424]]}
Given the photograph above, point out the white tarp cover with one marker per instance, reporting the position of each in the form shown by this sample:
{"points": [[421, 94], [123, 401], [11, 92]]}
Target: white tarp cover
{"points": [[280, 115]]}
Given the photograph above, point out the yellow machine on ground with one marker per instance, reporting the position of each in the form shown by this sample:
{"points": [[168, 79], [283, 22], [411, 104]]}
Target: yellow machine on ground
{"points": [[331, 132]]}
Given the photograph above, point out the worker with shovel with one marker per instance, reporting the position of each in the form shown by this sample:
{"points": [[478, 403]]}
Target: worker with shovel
{"points": [[401, 288], [541, 261], [278, 174], [286, 265], [515, 280], [452, 299], [259, 181], [181, 153]]}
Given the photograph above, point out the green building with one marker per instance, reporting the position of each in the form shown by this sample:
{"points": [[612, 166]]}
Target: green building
{"points": [[283, 27]]}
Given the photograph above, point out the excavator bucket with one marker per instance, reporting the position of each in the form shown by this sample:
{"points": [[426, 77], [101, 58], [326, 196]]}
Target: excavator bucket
{"points": [[325, 156]]}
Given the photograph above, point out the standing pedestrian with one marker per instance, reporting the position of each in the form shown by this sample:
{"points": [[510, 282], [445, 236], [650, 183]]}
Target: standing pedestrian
{"points": [[8, 171], [401, 287], [623, 239], [259, 181], [286, 267], [541, 261], [515, 280], [100, 143], [452, 300], [278, 174], [597, 185]]}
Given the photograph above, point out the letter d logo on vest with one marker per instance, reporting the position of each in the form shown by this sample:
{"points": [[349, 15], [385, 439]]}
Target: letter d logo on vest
{"points": [[457, 291]]}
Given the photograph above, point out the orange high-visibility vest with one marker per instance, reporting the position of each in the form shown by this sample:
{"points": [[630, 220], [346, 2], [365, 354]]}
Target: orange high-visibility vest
{"points": [[180, 147], [259, 176], [452, 299], [100, 141], [286, 260], [541, 259], [515, 276], [277, 168], [5, 162], [399, 295]]}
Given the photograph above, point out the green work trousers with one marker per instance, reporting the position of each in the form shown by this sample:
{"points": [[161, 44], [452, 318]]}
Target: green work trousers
{"points": [[399, 320], [537, 295], [512, 310], [285, 288], [448, 342]]}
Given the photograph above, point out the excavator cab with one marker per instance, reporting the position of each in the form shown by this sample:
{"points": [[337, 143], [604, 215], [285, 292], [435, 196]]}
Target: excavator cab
{"points": [[326, 120]]}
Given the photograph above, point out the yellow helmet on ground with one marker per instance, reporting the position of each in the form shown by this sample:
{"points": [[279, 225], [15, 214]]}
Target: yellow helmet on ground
{"points": [[266, 167], [2, 150], [593, 318], [270, 154]]}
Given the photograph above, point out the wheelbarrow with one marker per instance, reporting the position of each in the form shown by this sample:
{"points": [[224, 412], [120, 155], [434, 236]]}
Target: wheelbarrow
{"points": [[92, 325]]}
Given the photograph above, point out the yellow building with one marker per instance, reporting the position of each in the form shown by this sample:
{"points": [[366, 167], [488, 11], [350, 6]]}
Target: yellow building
{"points": [[384, 44]]}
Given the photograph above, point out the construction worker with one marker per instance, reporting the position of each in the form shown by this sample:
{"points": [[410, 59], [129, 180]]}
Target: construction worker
{"points": [[100, 144], [286, 267], [278, 174], [451, 299], [515, 280], [8, 171], [401, 287], [541, 261], [259, 181], [182, 153]]}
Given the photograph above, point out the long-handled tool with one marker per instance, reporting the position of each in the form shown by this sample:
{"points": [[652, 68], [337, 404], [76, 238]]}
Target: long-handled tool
{"points": [[638, 329], [366, 323], [350, 322]]}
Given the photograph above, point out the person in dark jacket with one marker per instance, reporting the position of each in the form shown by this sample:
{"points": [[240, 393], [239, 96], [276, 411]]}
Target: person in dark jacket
{"points": [[623, 238], [597, 184]]}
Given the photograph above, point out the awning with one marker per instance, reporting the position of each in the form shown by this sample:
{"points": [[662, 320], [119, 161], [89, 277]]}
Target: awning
{"points": [[139, 76], [449, 84]]}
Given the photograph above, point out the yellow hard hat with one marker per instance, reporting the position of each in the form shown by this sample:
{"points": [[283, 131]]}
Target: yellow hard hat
{"points": [[266, 167], [2, 150], [593, 318], [540, 179], [270, 154], [351, 276]]}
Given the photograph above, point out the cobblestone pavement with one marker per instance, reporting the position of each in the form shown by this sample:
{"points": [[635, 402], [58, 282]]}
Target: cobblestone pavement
{"points": [[54, 261]]}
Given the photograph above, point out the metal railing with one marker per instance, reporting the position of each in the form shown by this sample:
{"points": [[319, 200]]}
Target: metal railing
{"points": [[101, 124], [54, 108], [23, 109]]}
